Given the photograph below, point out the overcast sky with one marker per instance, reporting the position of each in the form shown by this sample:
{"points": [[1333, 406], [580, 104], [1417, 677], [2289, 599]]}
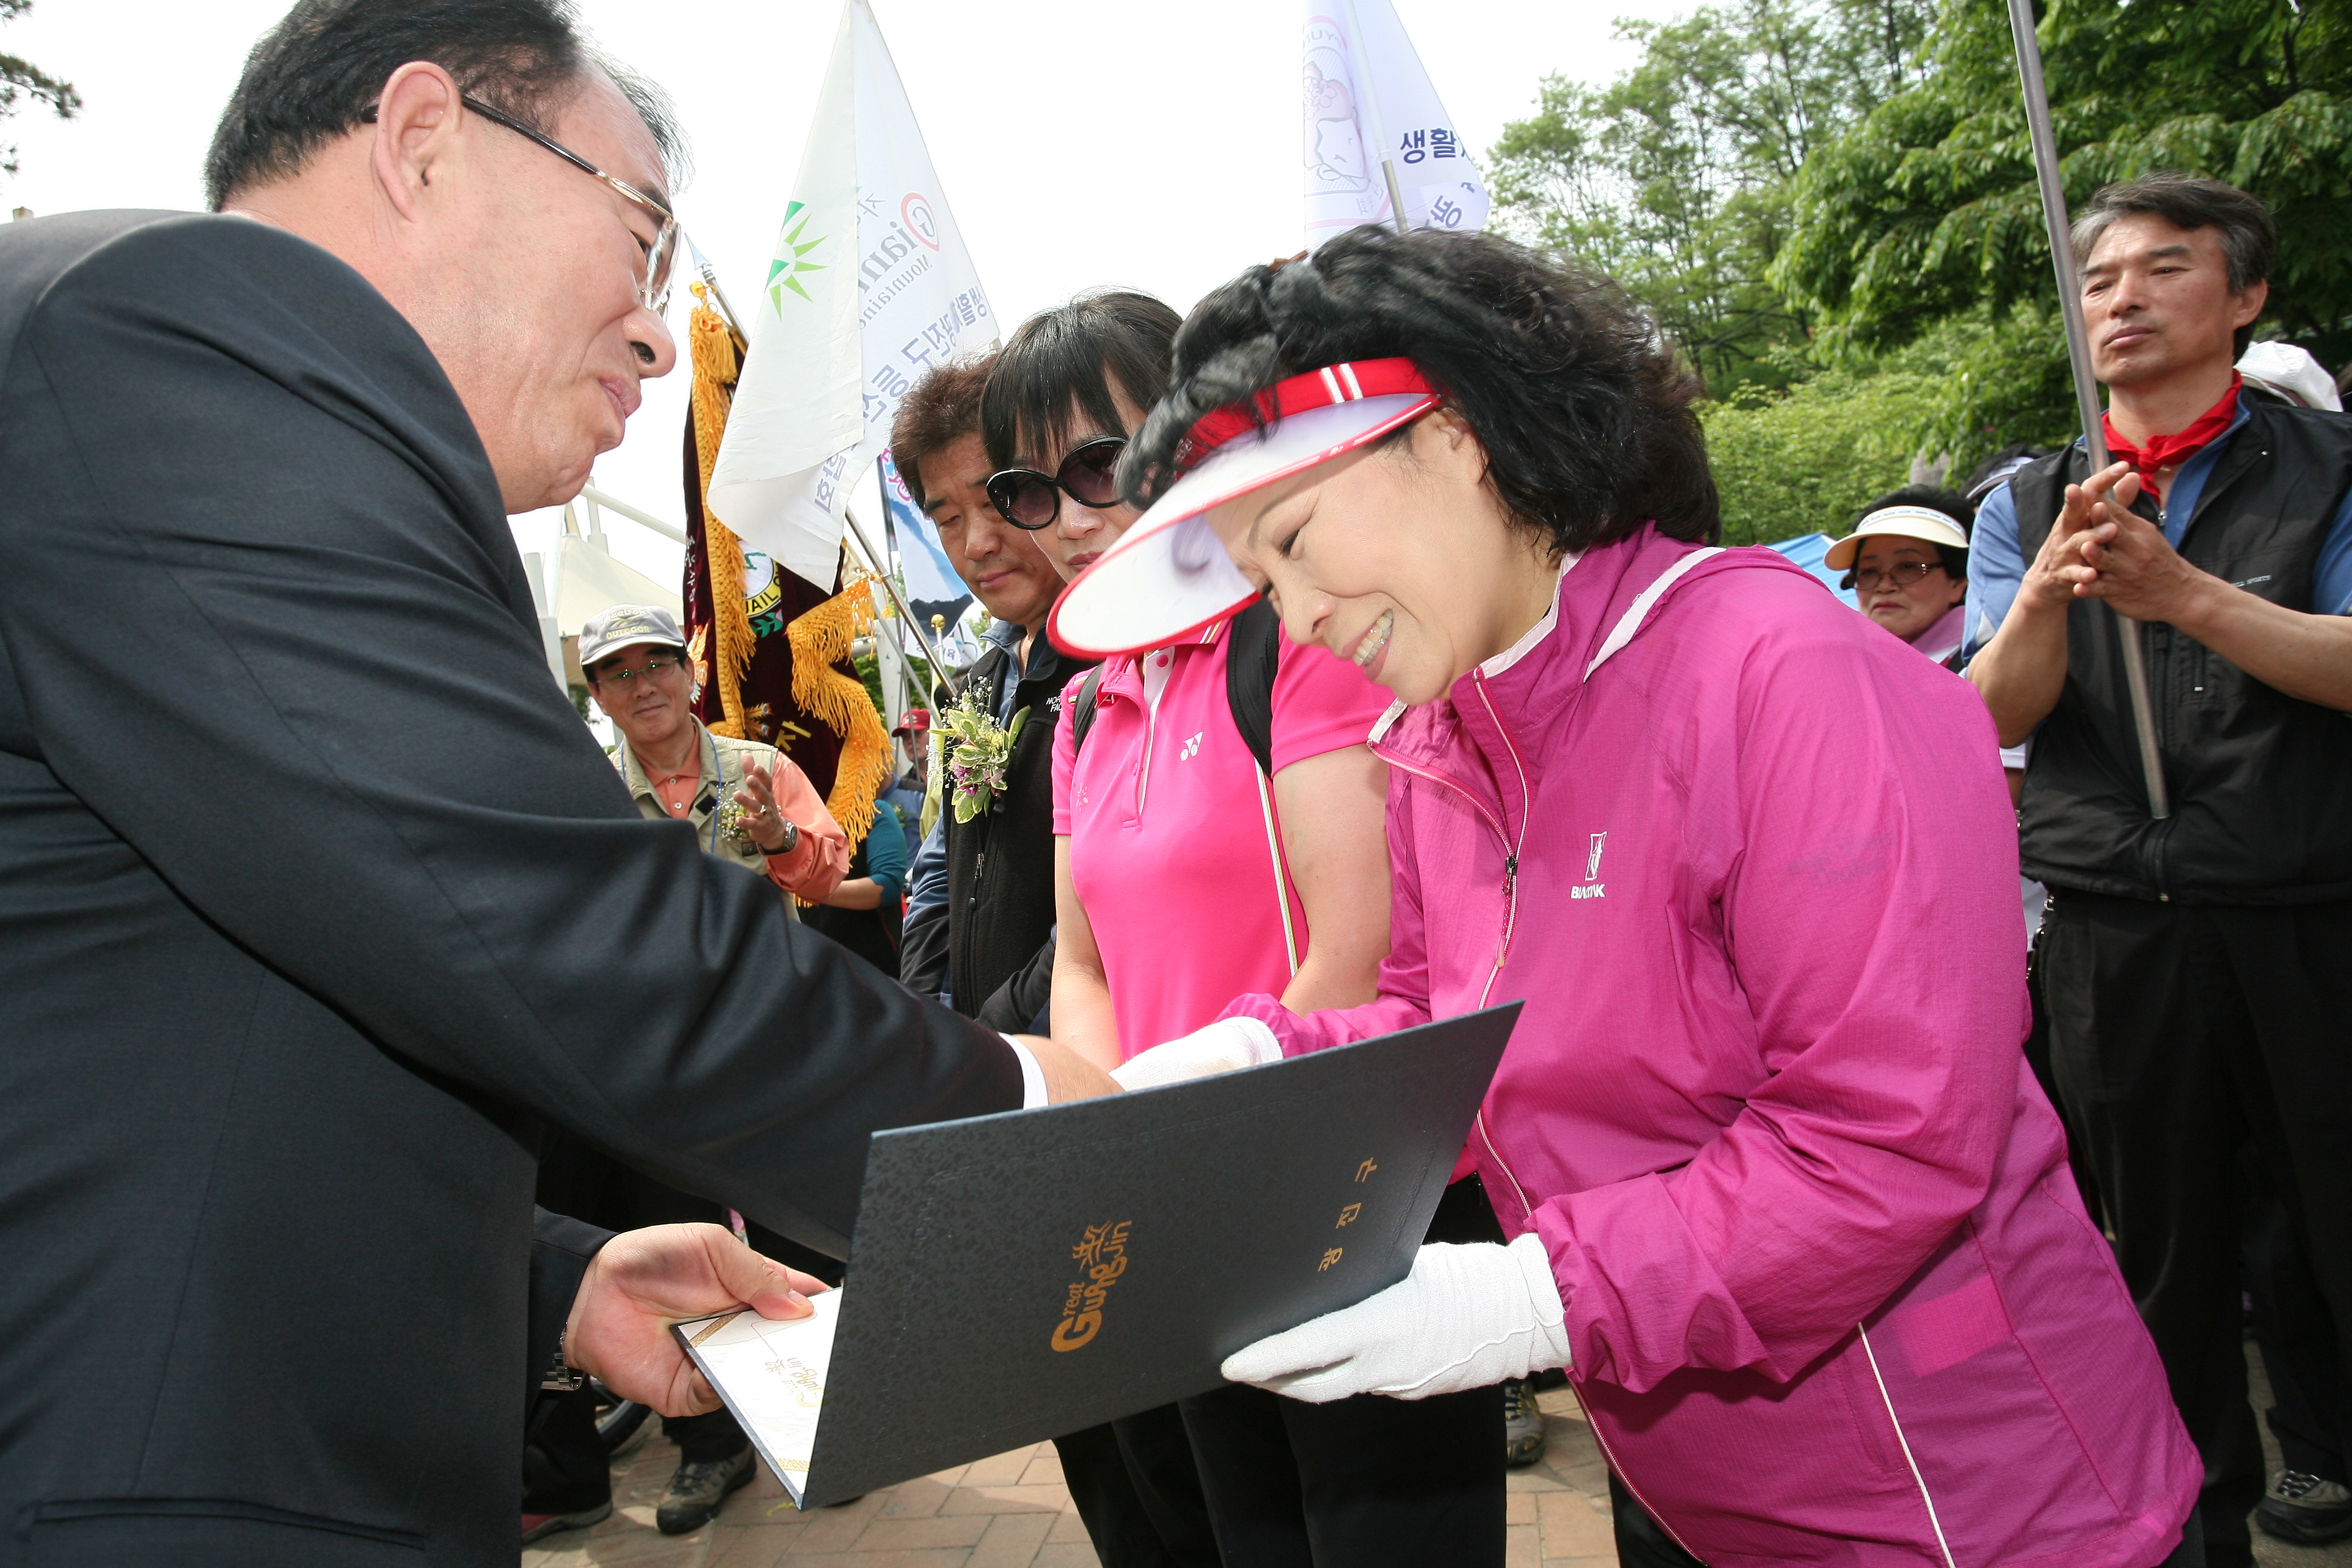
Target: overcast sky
{"points": [[1144, 142]]}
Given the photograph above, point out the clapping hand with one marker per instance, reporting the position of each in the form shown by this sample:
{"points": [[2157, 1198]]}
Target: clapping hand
{"points": [[641, 1281], [758, 799], [2058, 572], [2100, 549]]}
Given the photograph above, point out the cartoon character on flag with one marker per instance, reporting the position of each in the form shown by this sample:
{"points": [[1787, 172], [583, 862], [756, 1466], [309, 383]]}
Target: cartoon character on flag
{"points": [[1375, 136]]}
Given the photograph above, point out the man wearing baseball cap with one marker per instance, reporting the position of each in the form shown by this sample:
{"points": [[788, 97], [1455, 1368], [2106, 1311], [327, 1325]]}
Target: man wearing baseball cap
{"points": [[749, 807], [746, 802], [911, 793]]}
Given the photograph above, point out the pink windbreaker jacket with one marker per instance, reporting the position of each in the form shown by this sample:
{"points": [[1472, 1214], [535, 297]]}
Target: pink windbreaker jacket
{"points": [[1832, 1294]]}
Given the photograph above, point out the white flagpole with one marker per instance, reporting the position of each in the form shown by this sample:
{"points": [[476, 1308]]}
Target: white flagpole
{"points": [[2078, 356], [1359, 75], [881, 570]]}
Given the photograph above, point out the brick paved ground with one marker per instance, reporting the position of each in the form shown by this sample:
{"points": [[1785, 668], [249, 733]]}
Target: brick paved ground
{"points": [[1012, 1511]]}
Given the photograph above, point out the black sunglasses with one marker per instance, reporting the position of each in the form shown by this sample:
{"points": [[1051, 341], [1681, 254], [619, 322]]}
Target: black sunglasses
{"points": [[1027, 498]]}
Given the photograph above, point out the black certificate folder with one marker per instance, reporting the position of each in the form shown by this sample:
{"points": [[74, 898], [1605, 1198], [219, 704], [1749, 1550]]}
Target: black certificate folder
{"points": [[1021, 1275]]}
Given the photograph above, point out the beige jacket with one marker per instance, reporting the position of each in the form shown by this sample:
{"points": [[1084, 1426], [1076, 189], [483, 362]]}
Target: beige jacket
{"points": [[815, 865]]}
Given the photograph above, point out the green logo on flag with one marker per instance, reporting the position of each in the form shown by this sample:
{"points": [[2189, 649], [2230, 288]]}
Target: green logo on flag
{"points": [[792, 268]]}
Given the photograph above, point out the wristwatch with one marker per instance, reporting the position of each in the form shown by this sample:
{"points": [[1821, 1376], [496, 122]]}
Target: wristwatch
{"points": [[561, 1376], [791, 839]]}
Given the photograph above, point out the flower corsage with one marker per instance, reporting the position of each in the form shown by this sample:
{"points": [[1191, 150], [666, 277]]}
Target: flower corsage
{"points": [[975, 749]]}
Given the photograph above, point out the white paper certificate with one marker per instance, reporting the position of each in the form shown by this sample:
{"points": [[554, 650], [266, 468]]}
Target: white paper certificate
{"points": [[772, 1376]]}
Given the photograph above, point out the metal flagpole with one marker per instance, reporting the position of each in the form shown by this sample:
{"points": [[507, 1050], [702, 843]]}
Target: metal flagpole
{"points": [[2078, 355], [717, 295], [939, 665], [1359, 74]]}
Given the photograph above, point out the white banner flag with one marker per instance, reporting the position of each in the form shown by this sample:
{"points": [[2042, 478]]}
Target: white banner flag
{"points": [[1367, 100], [869, 288]]}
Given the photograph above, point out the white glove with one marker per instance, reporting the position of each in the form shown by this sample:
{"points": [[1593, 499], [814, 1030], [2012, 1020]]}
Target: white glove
{"points": [[1224, 1046], [1465, 1317]]}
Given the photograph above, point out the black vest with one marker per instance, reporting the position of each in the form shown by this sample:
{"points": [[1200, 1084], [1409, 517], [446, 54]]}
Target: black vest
{"points": [[2260, 784], [1000, 863]]}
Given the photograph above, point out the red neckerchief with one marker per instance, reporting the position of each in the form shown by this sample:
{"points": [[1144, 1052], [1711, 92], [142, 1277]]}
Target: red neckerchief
{"points": [[2164, 451]]}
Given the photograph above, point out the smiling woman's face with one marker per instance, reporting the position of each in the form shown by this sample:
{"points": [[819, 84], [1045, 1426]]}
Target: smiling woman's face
{"points": [[1399, 558]]}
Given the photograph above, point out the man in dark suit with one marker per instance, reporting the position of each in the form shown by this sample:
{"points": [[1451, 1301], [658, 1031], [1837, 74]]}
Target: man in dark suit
{"points": [[317, 903]]}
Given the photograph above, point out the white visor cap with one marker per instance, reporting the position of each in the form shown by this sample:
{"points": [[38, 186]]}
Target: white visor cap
{"points": [[1921, 523], [1168, 575]]}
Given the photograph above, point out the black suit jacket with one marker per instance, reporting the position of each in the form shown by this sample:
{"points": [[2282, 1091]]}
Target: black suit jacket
{"points": [[317, 904]]}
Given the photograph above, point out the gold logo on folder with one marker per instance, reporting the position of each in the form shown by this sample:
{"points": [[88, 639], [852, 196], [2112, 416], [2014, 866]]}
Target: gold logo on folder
{"points": [[1103, 1254]]}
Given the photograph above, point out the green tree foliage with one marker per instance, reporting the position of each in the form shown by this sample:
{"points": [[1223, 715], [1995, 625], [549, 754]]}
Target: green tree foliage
{"points": [[1804, 459], [1925, 213], [1674, 179], [21, 81]]}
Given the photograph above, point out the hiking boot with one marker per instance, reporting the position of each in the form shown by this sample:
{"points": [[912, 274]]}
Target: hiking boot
{"points": [[2303, 1508], [698, 1490], [1523, 1423], [536, 1526]]}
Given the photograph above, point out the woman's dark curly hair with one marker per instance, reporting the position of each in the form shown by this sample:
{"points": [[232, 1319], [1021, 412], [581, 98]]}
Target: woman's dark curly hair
{"points": [[1582, 404]]}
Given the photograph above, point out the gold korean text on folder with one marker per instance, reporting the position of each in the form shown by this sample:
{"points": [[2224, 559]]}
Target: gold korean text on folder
{"points": [[1104, 1252]]}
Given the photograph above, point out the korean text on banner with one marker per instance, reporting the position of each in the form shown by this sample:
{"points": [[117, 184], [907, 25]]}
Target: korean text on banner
{"points": [[1368, 100], [871, 287]]}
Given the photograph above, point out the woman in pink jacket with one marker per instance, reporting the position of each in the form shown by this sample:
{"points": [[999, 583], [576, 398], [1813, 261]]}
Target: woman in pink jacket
{"points": [[1786, 1203]]}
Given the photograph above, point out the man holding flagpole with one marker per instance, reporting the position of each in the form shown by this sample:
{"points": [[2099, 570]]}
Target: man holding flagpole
{"points": [[2197, 996]]}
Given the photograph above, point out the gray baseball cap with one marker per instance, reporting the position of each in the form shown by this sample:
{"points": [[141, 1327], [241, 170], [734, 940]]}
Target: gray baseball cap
{"points": [[626, 625]]}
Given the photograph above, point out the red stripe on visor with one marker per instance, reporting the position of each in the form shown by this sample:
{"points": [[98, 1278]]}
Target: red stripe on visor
{"points": [[1346, 383], [1168, 576]]}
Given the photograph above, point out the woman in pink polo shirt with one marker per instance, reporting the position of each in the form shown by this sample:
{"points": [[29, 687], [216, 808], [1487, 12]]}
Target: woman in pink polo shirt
{"points": [[1185, 874], [1786, 1203]]}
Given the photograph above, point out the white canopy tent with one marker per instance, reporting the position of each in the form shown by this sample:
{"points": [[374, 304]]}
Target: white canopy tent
{"points": [[586, 580]]}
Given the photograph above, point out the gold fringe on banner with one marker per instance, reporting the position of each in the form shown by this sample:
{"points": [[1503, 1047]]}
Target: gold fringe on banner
{"points": [[819, 639], [716, 367]]}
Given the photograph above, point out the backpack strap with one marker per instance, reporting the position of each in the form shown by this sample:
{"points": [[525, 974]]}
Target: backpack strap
{"points": [[1082, 712], [1253, 658]]}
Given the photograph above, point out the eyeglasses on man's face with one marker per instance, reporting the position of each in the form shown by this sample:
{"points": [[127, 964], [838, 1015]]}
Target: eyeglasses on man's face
{"points": [[624, 677], [1903, 574], [659, 253]]}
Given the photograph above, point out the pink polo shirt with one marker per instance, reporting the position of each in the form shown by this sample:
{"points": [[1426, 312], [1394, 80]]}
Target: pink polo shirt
{"points": [[1168, 844]]}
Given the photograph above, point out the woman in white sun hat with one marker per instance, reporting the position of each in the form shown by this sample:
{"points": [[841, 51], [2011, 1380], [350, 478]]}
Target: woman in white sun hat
{"points": [[1786, 1203], [1907, 563]]}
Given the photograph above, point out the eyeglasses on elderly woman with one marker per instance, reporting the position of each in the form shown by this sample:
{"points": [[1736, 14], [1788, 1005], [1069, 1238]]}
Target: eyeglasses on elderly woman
{"points": [[1903, 573]]}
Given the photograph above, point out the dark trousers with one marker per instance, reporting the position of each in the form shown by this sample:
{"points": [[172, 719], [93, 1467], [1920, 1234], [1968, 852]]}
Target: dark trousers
{"points": [[1135, 1486], [1367, 1481], [563, 1466], [1355, 1484], [2202, 1054], [1642, 1543]]}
